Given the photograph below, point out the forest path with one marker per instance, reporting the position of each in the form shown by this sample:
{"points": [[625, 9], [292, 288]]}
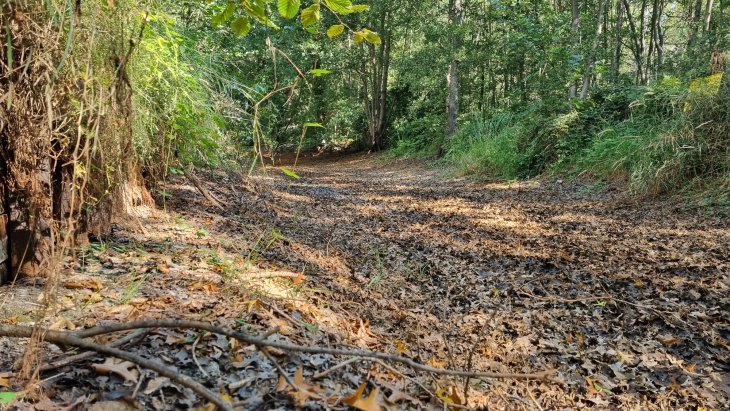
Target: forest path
{"points": [[628, 300]]}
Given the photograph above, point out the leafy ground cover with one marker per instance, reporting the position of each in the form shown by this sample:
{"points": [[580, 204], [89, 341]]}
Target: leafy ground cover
{"points": [[627, 302]]}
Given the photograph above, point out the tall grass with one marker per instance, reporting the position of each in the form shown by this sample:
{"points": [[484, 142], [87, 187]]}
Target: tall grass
{"points": [[657, 139]]}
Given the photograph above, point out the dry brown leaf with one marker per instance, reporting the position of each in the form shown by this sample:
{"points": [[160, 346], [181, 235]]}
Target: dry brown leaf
{"points": [[397, 396], [156, 384], [112, 406], [63, 323], [433, 362], [400, 347], [299, 278], [78, 282], [369, 403], [284, 326], [668, 339], [450, 395], [124, 369], [5, 379], [303, 390], [92, 298], [364, 337], [122, 312], [163, 268]]}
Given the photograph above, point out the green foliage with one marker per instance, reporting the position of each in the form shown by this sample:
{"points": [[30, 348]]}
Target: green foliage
{"points": [[288, 8], [198, 84], [658, 142], [290, 173], [7, 397]]}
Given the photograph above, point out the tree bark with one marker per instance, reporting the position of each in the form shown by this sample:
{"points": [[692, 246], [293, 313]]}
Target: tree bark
{"points": [[452, 79], [574, 29], [637, 47], [696, 17], [374, 78], [588, 74], [616, 63], [708, 15]]}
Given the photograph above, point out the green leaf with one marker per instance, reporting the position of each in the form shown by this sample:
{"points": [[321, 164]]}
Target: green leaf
{"points": [[339, 6], [357, 8], [320, 72], [7, 397], [290, 173], [224, 15], [367, 35], [257, 10], [241, 26], [335, 30], [371, 37], [310, 15], [313, 124], [289, 8]]}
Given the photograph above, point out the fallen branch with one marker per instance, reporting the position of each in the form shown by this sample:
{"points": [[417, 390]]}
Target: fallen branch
{"points": [[261, 342], [69, 338], [88, 354], [275, 274], [208, 196]]}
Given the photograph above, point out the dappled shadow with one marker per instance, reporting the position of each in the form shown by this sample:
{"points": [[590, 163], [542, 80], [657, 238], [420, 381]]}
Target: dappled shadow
{"points": [[557, 267]]}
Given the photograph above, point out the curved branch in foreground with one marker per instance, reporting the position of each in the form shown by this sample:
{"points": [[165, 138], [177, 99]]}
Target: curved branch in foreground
{"points": [[69, 338], [263, 342], [137, 335]]}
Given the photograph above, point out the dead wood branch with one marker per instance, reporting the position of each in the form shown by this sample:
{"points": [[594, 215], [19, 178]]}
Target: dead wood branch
{"points": [[68, 338], [208, 196], [260, 342], [139, 334]]}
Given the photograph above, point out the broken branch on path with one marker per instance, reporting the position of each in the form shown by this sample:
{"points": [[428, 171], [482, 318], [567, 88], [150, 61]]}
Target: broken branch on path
{"points": [[131, 337], [261, 342], [79, 339], [70, 338], [208, 196]]}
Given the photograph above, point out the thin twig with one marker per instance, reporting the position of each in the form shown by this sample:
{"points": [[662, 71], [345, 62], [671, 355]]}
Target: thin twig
{"points": [[532, 397], [336, 367], [195, 357]]}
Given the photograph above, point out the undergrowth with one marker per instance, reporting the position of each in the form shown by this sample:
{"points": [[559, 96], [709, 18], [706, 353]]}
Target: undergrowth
{"points": [[666, 138]]}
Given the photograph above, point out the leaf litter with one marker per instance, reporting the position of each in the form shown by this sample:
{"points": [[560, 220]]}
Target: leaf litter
{"points": [[627, 301]]}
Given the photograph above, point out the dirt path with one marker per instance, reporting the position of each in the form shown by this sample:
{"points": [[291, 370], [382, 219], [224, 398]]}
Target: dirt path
{"points": [[629, 301]]}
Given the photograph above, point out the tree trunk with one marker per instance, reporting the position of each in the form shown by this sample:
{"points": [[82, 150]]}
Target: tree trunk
{"points": [[708, 15], [694, 23], [616, 63], [653, 37], [574, 29], [637, 47], [374, 77], [452, 79], [588, 74]]}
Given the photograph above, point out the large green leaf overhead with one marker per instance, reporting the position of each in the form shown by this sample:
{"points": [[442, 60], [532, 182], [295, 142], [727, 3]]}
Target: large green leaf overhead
{"points": [[289, 8]]}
